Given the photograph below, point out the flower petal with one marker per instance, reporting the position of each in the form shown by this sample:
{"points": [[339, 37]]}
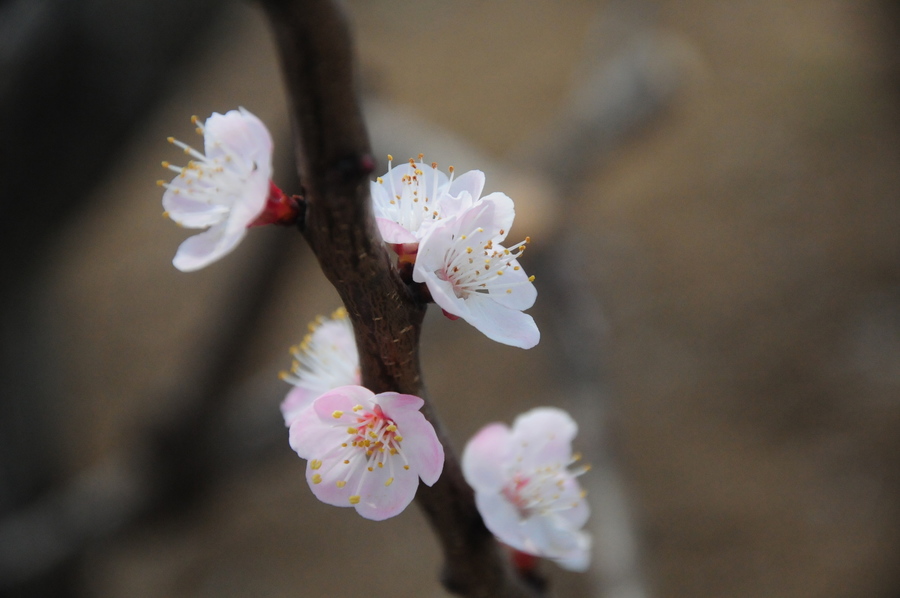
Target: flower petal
{"points": [[471, 182], [298, 400], [501, 324], [483, 458], [385, 493], [205, 248]]}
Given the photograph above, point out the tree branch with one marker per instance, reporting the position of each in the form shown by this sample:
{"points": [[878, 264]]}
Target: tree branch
{"points": [[334, 163]]}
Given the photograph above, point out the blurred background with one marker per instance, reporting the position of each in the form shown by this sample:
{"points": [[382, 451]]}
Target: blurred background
{"points": [[712, 192]]}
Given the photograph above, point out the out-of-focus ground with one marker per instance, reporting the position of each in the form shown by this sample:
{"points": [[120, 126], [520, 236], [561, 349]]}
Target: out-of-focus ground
{"points": [[744, 245]]}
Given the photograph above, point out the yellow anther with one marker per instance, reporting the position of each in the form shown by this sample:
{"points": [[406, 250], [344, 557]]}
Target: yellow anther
{"points": [[373, 435], [508, 291], [170, 139], [370, 469], [468, 250], [165, 164], [390, 158], [379, 180], [451, 169], [531, 278], [528, 239], [337, 414], [380, 464], [317, 479], [344, 445], [406, 467], [340, 483], [194, 119], [398, 438], [346, 461], [389, 482], [499, 272], [358, 408], [354, 500], [315, 464], [160, 183], [165, 215], [352, 430], [199, 131], [517, 268], [421, 156], [391, 428]]}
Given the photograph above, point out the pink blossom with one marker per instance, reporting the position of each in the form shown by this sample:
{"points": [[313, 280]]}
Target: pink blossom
{"points": [[471, 275], [367, 451], [224, 189], [523, 489], [326, 359]]}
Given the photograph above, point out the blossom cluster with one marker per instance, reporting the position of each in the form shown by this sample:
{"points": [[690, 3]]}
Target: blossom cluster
{"points": [[369, 451], [455, 237]]}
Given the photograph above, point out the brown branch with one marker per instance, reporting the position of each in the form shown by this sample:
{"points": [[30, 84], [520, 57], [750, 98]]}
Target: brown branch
{"points": [[334, 163]]}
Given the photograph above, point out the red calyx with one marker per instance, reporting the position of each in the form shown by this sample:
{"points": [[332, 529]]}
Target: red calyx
{"points": [[280, 209]]}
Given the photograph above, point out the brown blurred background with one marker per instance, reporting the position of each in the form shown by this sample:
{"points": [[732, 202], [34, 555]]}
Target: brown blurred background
{"points": [[712, 192]]}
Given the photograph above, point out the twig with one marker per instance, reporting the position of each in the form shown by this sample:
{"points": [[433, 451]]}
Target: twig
{"points": [[334, 162]]}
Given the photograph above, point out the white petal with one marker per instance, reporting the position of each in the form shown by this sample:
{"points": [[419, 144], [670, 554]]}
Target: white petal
{"points": [[501, 324], [203, 249], [471, 182]]}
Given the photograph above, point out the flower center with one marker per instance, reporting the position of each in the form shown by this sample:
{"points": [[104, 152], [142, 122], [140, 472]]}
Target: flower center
{"points": [[544, 490], [471, 270], [216, 181], [414, 201], [373, 443]]}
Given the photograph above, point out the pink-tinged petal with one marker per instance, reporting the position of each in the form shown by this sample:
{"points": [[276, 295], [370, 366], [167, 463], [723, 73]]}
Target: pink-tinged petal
{"points": [[296, 402], [504, 325], [471, 182], [324, 483], [395, 404], [311, 438], [502, 518], [205, 248], [392, 232], [420, 445], [484, 457], [343, 398], [382, 497]]}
